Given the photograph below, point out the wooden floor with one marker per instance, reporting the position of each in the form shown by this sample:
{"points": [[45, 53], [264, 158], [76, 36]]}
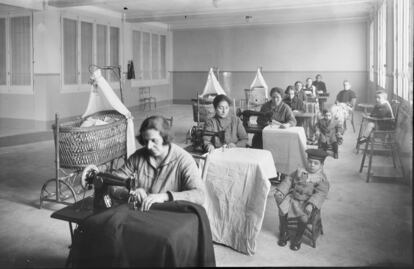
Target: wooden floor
{"points": [[365, 224]]}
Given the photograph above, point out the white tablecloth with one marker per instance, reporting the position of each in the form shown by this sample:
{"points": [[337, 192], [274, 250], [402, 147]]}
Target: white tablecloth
{"points": [[237, 186], [287, 147]]}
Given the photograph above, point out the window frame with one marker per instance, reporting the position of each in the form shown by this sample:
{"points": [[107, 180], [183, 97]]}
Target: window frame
{"points": [[162, 79], [17, 89], [402, 73], [82, 87], [381, 45]]}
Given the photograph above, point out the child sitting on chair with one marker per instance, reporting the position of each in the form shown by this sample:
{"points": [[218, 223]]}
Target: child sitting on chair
{"points": [[300, 194], [329, 133], [381, 110]]}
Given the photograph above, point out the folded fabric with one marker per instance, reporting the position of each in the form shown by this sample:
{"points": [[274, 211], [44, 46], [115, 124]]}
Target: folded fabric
{"points": [[172, 234], [89, 122]]}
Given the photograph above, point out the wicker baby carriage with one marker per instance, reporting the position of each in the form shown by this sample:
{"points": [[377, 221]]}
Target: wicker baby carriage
{"points": [[77, 147], [203, 109]]}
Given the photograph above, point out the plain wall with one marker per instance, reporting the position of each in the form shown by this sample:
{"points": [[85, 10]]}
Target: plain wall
{"points": [[286, 52]]}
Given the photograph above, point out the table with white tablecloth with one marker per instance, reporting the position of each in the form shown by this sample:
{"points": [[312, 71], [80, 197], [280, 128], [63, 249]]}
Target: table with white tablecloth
{"points": [[287, 147], [237, 186]]}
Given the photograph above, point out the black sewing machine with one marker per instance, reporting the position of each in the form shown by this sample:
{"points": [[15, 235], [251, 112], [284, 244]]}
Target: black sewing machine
{"points": [[245, 117], [101, 182], [196, 133]]}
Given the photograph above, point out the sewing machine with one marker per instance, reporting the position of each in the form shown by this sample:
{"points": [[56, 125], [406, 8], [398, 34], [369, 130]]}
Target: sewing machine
{"points": [[245, 117], [196, 133], [91, 177]]}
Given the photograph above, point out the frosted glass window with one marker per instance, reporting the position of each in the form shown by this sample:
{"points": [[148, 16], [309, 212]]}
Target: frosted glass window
{"points": [[136, 53], [146, 54], [70, 51], [20, 50], [403, 48], [86, 50], [382, 49], [101, 47], [3, 54], [163, 46], [114, 50], [149, 53], [155, 47]]}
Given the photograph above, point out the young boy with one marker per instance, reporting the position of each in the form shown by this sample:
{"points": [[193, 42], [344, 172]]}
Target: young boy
{"points": [[329, 132], [299, 194], [381, 110]]}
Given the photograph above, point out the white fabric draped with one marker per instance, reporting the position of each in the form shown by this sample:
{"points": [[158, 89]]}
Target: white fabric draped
{"points": [[259, 82], [102, 97], [212, 85]]}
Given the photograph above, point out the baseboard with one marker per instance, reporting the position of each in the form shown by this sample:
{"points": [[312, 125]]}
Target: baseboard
{"points": [[13, 140], [31, 131], [182, 102]]}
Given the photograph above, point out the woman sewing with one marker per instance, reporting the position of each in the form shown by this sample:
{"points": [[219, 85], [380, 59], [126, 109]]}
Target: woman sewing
{"points": [[281, 115], [223, 129], [162, 170]]}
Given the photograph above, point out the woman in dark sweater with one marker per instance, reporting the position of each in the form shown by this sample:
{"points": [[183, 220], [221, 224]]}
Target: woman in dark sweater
{"points": [[234, 133], [282, 115]]}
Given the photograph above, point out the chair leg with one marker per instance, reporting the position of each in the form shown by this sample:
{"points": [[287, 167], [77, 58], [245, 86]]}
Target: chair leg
{"points": [[359, 136], [393, 155], [363, 157], [371, 152], [352, 122]]}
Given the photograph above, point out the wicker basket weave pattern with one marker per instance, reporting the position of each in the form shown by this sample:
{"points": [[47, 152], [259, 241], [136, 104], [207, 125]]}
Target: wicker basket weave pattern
{"points": [[205, 108], [81, 146]]}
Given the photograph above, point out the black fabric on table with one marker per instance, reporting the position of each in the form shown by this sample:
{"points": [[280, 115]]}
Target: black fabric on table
{"points": [[172, 234]]}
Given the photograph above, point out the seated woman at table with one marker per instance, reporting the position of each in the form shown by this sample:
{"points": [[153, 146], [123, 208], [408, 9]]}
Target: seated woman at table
{"points": [[282, 115], [381, 110], [299, 195], [309, 91], [329, 133], [162, 170], [231, 127], [293, 101], [344, 103]]}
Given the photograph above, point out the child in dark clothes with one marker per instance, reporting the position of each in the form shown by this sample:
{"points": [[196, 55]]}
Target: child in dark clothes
{"points": [[329, 133], [382, 110]]}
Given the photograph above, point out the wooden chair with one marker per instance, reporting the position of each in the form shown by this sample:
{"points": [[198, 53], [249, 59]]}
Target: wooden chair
{"points": [[146, 99], [382, 141], [314, 227]]}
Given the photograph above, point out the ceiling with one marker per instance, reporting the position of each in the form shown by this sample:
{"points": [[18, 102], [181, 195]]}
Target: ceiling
{"points": [[209, 13]]}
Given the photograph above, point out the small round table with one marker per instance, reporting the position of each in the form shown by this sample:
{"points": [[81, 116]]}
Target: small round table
{"points": [[365, 107]]}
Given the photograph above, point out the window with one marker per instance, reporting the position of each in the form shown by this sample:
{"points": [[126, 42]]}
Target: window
{"points": [[371, 51], [149, 57], [16, 68], [101, 47], [114, 51], [85, 42], [382, 46], [402, 49]]}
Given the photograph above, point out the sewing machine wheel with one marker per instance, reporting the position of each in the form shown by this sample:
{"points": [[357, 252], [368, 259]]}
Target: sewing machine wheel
{"points": [[86, 173]]}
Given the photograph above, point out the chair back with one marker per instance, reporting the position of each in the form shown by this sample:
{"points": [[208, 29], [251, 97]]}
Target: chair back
{"points": [[395, 108]]}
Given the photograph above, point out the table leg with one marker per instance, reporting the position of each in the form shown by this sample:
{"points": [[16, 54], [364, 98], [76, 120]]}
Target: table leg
{"points": [[69, 258]]}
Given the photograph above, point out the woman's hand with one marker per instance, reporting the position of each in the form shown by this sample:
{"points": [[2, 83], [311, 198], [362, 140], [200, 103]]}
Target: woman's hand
{"points": [[139, 195], [279, 196], [231, 145], [275, 122], [210, 148], [284, 126], [153, 198], [308, 209]]}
